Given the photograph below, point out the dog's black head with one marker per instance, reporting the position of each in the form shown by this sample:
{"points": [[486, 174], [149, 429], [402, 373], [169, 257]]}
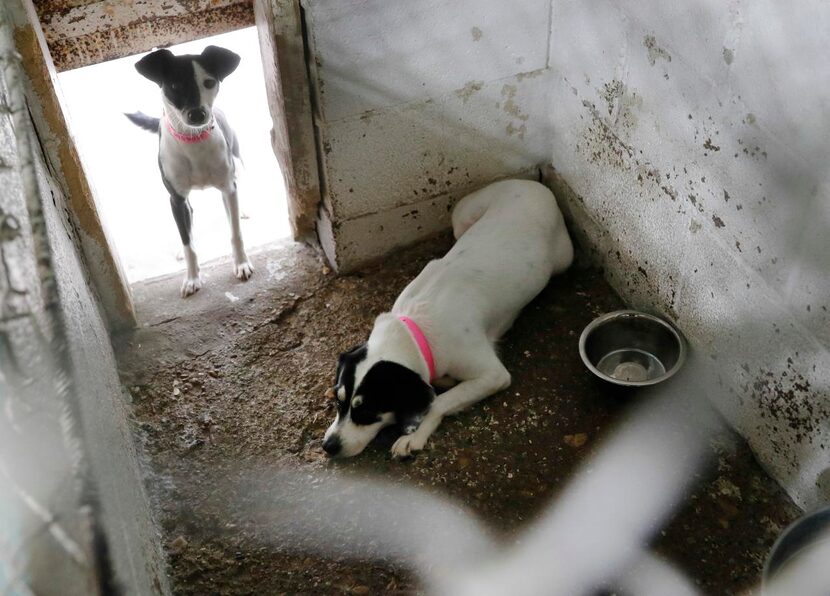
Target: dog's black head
{"points": [[189, 83], [372, 395]]}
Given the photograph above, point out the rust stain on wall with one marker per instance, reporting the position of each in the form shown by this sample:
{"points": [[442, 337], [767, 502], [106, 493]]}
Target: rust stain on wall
{"points": [[602, 144], [787, 398], [80, 33], [510, 106], [468, 90], [60, 5], [655, 52]]}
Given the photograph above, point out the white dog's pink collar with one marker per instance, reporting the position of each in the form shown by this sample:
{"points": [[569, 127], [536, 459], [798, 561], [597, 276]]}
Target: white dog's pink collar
{"points": [[421, 342], [186, 138]]}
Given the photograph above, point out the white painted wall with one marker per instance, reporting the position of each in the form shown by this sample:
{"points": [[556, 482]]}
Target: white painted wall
{"points": [[696, 136], [418, 102]]}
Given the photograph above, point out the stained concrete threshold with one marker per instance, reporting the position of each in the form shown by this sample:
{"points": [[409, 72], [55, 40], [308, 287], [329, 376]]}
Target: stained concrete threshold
{"points": [[235, 376]]}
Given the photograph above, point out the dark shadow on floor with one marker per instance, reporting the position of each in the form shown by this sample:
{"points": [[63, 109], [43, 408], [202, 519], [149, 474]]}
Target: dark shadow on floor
{"points": [[235, 376]]}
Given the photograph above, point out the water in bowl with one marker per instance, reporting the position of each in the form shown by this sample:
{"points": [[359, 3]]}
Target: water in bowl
{"points": [[631, 365]]}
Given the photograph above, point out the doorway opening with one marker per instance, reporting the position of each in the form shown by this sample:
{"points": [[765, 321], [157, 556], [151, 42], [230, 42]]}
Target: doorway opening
{"points": [[121, 160]]}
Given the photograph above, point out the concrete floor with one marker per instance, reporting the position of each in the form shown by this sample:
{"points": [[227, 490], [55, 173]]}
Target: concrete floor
{"points": [[236, 376]]}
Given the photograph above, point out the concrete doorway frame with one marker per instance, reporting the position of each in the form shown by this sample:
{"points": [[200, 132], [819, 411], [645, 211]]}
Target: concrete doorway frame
{"points": [[280, 29]]}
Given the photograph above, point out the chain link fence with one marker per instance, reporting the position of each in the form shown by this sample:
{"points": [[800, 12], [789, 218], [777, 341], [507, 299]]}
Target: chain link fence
{"points": [[48, 538]]}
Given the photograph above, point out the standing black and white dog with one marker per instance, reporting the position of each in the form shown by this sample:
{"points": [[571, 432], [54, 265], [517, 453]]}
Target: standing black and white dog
{"points": [[196, 144], [510, 239]]}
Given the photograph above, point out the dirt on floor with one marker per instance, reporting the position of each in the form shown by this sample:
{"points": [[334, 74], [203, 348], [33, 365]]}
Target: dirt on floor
{"points": [[235, 377]]}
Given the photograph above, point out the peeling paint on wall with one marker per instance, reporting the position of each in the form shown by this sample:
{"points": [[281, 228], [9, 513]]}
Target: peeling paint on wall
{"points": [[655, 52], [467, 90], [81, 33]]}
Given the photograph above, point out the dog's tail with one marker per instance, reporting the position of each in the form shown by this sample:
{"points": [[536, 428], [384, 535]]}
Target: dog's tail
{"points": [[144, 121]]}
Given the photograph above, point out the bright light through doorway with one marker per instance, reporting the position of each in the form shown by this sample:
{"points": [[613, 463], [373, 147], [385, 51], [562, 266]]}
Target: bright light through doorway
{"points": [[121, 160]]}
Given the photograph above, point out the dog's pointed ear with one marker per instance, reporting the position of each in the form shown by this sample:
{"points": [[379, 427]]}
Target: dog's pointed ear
{"points": [[154, 66], [218, 61]]}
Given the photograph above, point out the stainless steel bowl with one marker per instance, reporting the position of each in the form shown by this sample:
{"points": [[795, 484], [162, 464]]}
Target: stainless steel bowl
{"points": [[802, 536], [631, 348]]}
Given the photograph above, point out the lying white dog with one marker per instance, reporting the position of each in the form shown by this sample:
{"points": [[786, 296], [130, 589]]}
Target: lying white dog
{"points": [[510, 239]]}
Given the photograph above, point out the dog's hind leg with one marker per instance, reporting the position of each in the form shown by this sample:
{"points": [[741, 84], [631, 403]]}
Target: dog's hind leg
{"points": [[183, 214], [242, 267], [471, 208], [494, 378]]}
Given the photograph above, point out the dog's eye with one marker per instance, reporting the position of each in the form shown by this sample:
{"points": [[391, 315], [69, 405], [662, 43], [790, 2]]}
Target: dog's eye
{"points": [[175, 86], [357, 400], [209, 83]]}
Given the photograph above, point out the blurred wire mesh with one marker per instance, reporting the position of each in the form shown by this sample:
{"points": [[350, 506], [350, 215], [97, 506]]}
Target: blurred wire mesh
{"points": [[47, 524], [595, 536]]}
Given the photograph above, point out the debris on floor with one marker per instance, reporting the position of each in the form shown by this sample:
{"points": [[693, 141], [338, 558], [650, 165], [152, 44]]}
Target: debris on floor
{"points": [[219, 385]]}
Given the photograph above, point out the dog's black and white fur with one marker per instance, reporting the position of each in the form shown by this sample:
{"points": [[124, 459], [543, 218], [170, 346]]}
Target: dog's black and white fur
{"points": [[189, 86], [511, 238]]}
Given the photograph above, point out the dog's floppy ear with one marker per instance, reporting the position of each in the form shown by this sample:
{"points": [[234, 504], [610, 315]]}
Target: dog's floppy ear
{"points": [[218, 61], [351, 356], [355, 351], [346, 364], [392, 387], [396, 388], [413, 400], [154, 65]]}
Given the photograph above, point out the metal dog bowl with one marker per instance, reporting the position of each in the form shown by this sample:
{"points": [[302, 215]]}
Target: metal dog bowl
{"points": [[800, 537], [632, 348]]}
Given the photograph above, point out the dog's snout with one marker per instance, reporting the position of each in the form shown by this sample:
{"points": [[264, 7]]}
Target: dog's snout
{"points": [[332, 445], [197, 116]]}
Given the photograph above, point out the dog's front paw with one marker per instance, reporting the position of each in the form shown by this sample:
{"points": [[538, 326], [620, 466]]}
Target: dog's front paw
{"points": [[407, 445], [191, 285], [243, 270]]}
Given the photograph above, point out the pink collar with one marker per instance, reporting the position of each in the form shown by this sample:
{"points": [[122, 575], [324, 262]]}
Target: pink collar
{"points": [[421, 341], [186, 138]]}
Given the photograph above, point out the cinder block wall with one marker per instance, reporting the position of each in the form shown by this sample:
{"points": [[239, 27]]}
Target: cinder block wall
{"points": [[418, 102], [696, 138]]}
